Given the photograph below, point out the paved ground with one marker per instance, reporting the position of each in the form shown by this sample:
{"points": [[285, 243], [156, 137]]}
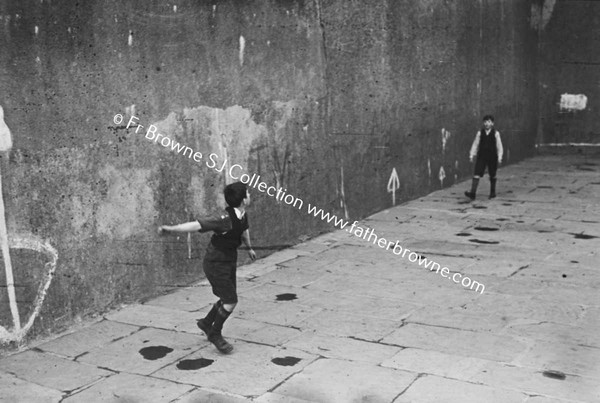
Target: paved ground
{"points": [[338, 319]]}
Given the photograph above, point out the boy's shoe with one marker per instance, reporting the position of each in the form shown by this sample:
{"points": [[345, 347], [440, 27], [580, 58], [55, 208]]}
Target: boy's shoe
{"points": [[470, 195], [492, 195], [205, 327], [220, 343]]}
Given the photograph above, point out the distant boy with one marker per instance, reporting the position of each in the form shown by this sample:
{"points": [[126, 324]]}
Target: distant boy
{"points": [[220, 261], [487, 147]]}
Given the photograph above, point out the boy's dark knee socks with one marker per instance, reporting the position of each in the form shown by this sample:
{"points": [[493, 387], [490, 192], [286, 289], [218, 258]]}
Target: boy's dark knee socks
{"points": [[474, 185], [212, 314], [221, 317]]}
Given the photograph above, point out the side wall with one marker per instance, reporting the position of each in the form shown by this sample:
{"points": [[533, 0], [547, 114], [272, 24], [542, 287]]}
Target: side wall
{"points": [[321, 99], [570, 72]]}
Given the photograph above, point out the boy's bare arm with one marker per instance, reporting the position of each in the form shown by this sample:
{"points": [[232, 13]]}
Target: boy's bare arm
{"points": [[246, 241], [474, 147], [192, 226]]}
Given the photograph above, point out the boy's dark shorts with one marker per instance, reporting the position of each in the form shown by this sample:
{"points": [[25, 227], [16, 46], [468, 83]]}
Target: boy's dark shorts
{"points": [[489, 161], [220, 269]]}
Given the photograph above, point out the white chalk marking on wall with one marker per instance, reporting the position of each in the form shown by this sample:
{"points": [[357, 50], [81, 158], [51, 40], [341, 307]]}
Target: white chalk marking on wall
{"points": [[442, 176], [130, 38], [445, 137], [20, 242], [6, 145], [189, 242], [455, 171], [393, 185], [214, 10], [343, 194], [174, 9], [242, 47], [36, 30], [34, 243], [573, 102]]}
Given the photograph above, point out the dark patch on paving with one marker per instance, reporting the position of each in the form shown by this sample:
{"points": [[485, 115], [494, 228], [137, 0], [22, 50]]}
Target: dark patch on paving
{"points": [[520, 221], [543, 231], [286, 297], [501, 219], [507, 204], [583, 236], [582, 168], [564, 276], [484, 242], [190, 365], [574, 261], [463, 234], [545, 187], [555, 375], [286, 361], [155, 352], [479, 207], [486, 229]]}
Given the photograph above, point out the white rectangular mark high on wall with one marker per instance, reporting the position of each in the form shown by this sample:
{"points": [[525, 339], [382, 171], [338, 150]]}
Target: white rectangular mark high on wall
{"points": [[573, 102]]}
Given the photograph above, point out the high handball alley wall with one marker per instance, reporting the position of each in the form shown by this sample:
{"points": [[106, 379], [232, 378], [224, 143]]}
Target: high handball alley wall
{"points": [[322, 98]]}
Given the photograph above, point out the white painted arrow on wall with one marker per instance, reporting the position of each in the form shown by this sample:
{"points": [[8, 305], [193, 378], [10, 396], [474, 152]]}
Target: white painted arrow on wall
{"points": [[393, 185]]}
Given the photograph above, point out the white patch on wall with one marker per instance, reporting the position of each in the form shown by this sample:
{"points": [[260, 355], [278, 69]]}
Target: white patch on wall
{"points": [[541, 14], [445, 136], [36, 30], [442, 176], [174, 9], [130, 38], [242, 47], [343, 194], [573, 102]]}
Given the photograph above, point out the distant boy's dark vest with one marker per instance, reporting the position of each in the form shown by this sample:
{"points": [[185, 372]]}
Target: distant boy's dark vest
{"points": [[487, 143], [232, 239]]}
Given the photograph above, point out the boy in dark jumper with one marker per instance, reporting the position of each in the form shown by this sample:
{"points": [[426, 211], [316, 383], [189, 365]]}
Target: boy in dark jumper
{"points": [[487, 147], [220, 261]]}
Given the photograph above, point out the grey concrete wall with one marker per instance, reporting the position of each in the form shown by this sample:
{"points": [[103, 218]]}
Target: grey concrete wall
{"points": [[570, 69], [322, 98]]}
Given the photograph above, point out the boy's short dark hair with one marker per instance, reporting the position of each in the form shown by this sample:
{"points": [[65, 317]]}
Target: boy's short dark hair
{"points": [[235, 193], [488, 117]]}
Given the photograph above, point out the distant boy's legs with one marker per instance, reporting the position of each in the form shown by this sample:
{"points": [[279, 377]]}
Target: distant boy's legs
{"points": [[480, 164]]}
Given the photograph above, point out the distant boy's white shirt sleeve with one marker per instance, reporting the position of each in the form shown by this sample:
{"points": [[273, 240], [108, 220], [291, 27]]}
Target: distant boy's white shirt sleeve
{"points": [[499, 146], [475, 146]]}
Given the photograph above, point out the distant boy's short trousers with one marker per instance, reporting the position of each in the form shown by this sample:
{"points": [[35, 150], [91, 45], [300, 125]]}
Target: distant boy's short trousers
{"points": [[220, 269], [489, 161]]}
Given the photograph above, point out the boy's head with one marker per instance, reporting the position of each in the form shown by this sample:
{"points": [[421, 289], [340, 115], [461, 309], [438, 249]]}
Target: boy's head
{"points": [[488, 121], [235, 193]]}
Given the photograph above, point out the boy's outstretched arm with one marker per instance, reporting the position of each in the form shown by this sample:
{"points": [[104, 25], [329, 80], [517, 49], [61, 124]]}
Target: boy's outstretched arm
{"points": [[191, 226], [246, 241]]}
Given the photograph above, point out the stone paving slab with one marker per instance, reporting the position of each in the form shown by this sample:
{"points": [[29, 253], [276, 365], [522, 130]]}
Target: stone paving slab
{"points": [[13, 389], [124, 355], [204, 396], [277, 398], [342, 348], [433, 389], [89, 338], [350, 325], [130, 388], [460, 342], [337, 381], [232, 373], [50, 371]]}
